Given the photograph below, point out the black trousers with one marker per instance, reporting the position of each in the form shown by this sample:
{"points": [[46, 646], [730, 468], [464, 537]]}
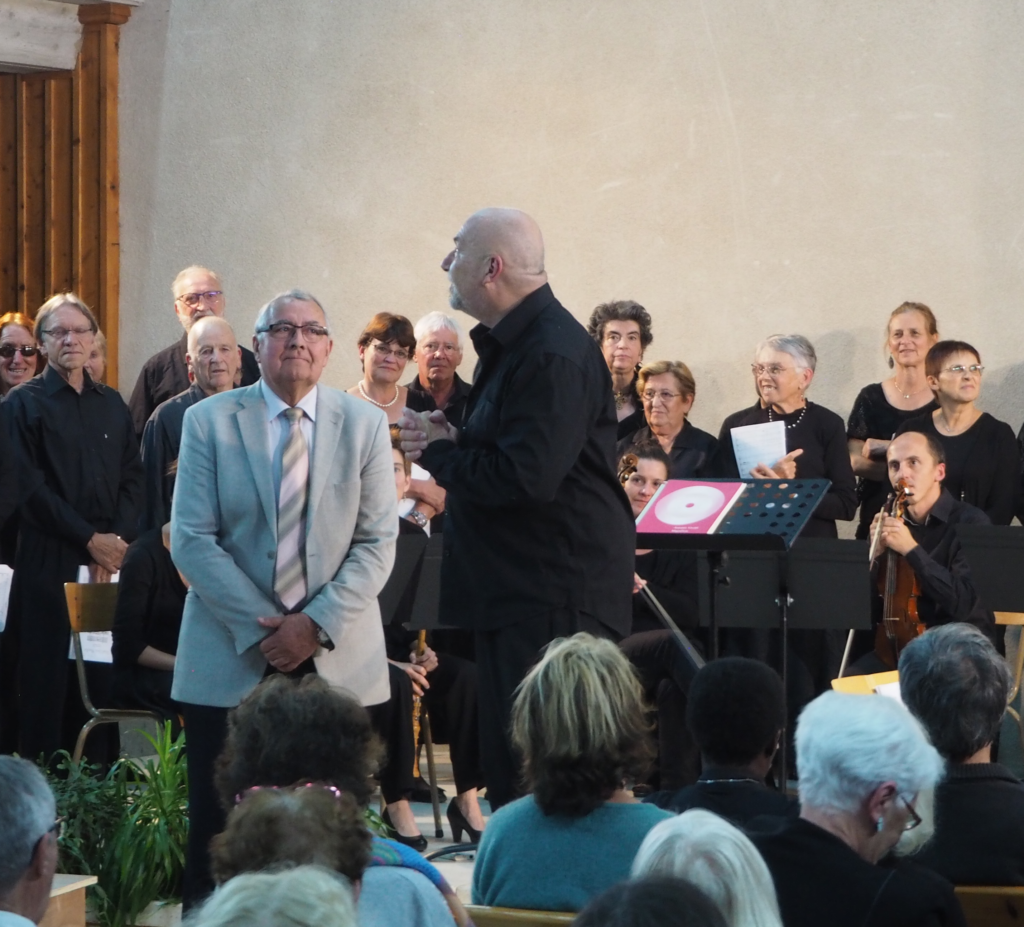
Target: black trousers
{"points": [[666, 675], [392, 720], [504, 656]]}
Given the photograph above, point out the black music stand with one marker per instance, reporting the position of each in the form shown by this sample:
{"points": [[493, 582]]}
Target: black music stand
{"points": [[409, 551], [995, 554]]}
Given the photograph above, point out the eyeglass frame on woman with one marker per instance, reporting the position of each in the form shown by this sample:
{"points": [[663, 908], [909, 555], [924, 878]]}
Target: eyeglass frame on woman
{"points": [[773, 370], [285, 331], [399, 353], [666, 396], [915, 819], [7, 351], [194, 299], [961, 369]]}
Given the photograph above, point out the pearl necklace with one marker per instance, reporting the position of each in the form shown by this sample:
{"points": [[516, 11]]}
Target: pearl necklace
{"points": [[799, 418], [379, 405]]}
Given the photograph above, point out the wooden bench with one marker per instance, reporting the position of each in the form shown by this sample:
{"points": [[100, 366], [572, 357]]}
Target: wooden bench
{"points": [[67, 901], [992, 905], [484, 916]]}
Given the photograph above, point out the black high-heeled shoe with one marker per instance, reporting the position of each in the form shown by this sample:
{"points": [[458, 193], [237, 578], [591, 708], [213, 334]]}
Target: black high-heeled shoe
{"points": [[418, 843], [458, 823]]}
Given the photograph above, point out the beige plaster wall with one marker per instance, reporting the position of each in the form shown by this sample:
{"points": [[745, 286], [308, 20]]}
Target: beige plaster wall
{"points": [[740, 168]]}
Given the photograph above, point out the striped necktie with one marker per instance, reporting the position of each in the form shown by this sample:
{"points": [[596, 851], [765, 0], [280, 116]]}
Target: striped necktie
{"points": [[290, 571]]}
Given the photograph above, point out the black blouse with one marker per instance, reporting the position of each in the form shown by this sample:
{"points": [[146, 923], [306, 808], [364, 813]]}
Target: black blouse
{"points": [[691, 452], [672, 576], [873, 416], [822, 437], [982, 464]]}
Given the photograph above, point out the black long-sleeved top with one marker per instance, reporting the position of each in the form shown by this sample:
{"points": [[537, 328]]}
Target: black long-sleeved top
{"points": [[691, 454], [672, 576], [165, 375], [161, 441], [982, 464], [536, 517], [822, 437], [150, 601], [947, 591], [729, 793], [979, 833], [83, 448], [420, 400]]}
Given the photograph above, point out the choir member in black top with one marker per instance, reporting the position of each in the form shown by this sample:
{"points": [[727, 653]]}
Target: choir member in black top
{"points": [[956, 684], [982, 460], [622, 329], [881, 408], [198, 293], [77, 436], [667, 390], [664, 669], [150, 603], [815, 437]]}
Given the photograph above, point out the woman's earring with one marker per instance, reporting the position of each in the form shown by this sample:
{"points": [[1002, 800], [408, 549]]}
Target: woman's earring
{"points": [[880, 824], [892, 363]]}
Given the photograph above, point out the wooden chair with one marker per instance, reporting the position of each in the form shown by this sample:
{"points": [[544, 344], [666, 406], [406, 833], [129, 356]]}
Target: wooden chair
{"points": [[91, 607], [1010, 619], [864, 685], [992, 905], [484, 916]]}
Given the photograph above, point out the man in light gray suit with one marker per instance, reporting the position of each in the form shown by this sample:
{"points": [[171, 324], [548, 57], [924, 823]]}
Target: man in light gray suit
{"points": [[284, 523]]}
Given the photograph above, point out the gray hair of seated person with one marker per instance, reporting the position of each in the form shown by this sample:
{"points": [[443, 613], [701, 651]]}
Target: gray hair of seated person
{"points": [[955, 682], [288, 296], [848, 745], [306, 896], [27, 813], [796, 346], [437, 322], [719, 859]]}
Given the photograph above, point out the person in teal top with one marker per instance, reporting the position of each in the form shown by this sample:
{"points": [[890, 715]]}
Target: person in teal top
{"points": [[580, 724]]}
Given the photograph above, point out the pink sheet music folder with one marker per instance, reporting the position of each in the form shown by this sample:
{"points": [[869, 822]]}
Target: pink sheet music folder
{"points": [[688, 507]]}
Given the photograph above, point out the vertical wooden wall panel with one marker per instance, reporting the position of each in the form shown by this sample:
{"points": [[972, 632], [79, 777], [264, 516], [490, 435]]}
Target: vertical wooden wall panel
{"points": [[31, 195], [8, 192], [59, 203]]}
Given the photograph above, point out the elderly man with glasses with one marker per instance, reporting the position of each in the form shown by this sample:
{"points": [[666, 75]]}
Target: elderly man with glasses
{"points": [[198, 293]]}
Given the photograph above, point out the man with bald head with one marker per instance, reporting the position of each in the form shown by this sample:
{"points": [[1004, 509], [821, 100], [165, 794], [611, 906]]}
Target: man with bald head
{"points": [[198, 293], [539, 539], [213, 359]]}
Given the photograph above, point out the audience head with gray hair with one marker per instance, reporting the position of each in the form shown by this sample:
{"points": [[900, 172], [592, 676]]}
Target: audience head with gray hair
{"points": [[28, 839], [863, 761], [955, 682], [292, 343], [783, 368], [438, 354]]}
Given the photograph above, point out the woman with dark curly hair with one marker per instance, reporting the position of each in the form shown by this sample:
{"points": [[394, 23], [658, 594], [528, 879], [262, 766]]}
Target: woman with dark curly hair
{"points": [[580, 722], [385, 346], [622, 329]]}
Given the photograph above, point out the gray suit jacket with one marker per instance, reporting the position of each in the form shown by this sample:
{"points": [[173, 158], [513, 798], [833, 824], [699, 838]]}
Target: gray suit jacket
{"points": [[224, 541]]}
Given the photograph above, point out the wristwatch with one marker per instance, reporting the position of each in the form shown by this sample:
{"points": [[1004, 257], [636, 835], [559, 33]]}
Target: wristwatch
{"points": [[322, 637], [418, 517]]}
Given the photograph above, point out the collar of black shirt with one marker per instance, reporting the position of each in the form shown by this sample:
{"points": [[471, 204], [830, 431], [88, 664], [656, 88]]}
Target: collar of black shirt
{"points": [[941, 511], [461, 388], [516, 321], [54, 381]]}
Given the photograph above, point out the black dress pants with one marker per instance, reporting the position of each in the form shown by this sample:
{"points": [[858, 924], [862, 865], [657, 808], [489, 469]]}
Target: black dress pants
{"points": [[453, 702], [392, 720], [504, 656]]}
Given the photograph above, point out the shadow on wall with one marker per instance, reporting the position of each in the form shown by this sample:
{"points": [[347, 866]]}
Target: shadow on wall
{"points": [[1002, 394], [837, 352]]}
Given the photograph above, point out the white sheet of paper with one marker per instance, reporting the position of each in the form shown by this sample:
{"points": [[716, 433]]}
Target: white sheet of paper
{"points": [[890, 690], [97, 646], [754, 444], [6, 575]]}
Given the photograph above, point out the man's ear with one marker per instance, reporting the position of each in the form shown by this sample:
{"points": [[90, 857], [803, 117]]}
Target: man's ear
{"points": [[940, 472]]}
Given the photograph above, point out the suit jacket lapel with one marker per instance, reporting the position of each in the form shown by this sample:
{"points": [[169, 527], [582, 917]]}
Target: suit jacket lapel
{"points": [[252, 422], [328, 432]]}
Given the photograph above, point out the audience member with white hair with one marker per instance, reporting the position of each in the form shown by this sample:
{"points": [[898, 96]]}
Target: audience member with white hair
{"points": [[306, 896], [955, 682], [28, 842], [863, 761], [719, 859], [438, 355]]}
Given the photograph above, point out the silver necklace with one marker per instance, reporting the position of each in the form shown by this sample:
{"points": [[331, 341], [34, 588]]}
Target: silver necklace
{"points": [[379, 405], [899, 389], [799, 417]]}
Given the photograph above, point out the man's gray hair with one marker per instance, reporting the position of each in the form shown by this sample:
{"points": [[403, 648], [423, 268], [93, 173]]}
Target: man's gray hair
{"points": [[848, 745], [288, 296], [59, 301], [436, 322], [956, 683], [796, 346], [27, 812]]}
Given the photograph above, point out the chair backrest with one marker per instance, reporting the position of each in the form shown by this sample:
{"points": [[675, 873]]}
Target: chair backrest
{"points": [[992, 905], [91, 606], [864, 685], [484, 916]]}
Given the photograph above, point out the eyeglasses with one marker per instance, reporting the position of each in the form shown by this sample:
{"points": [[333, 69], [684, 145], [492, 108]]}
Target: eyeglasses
{"points": [[383, 350], [7, 351], [666, 396], [773, 370], [192, 300], [61, 333], [285, 331], [58, 827], [915, 818], [638, 482], [975, 370]]}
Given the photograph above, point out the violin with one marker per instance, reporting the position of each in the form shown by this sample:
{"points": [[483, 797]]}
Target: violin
{"points": [[899, 588]]}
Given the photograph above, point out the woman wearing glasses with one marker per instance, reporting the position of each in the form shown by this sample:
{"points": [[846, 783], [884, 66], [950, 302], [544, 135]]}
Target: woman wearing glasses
{"points": [[982, 460], [385, 347], [783, 369], [19, 354], [667, 390]]}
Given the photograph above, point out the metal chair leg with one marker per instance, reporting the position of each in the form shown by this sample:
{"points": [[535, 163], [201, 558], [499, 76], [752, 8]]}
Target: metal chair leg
{"points": [[82, 735]]}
